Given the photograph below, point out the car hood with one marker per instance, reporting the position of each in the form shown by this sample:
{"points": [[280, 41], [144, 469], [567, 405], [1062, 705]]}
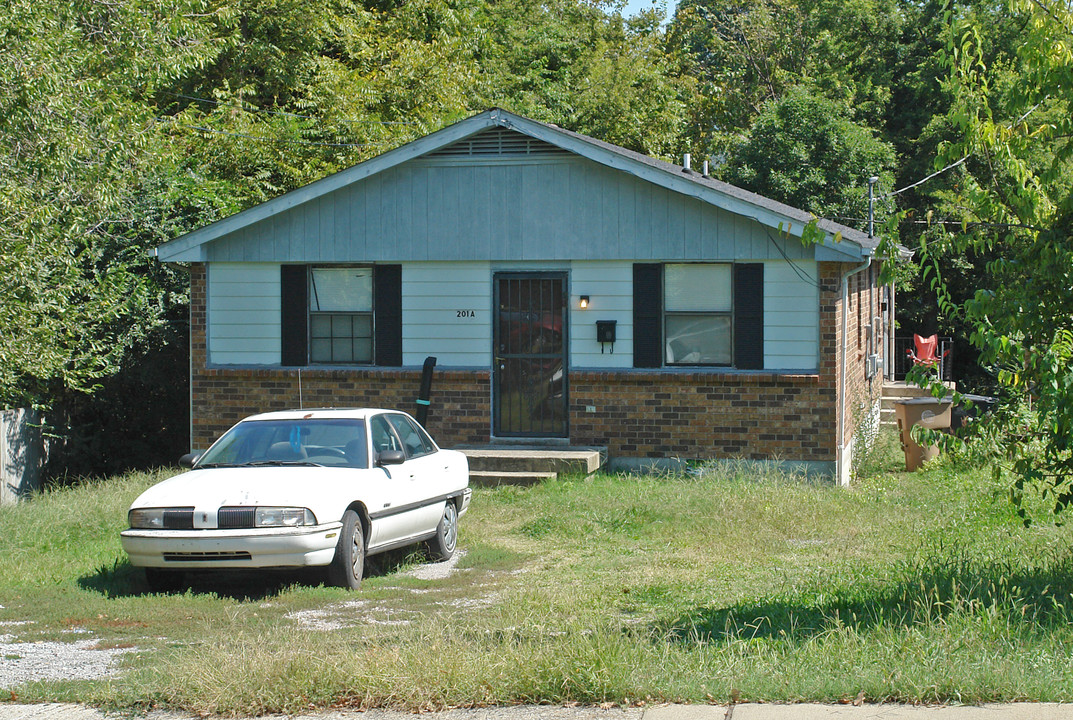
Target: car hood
{"points": [[245, 486]]}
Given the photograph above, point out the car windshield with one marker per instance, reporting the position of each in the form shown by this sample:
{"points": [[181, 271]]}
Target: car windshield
{"points": [[334, 442]]}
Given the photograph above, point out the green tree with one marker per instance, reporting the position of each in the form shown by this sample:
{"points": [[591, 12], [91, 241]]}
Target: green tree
{"points": [[1013, 196], [747, 53], [576, 65], [73, 299], [806, 151]]}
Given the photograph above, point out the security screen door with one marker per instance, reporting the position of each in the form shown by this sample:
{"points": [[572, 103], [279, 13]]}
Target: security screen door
{"points": [[529, 373]]}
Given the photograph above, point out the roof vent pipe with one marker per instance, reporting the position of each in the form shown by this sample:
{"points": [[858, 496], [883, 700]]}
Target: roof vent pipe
{"points": [[685, 161], [705, 168]]}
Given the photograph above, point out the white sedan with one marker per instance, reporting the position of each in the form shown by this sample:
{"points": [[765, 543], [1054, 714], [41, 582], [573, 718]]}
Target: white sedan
{"points": [[302, 488]]}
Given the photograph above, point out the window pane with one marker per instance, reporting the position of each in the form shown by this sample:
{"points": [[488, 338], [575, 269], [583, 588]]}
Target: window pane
{"points": [[699, 340], [412, 439], [698, 288], [363, 326], [320, 326], [320, 351], [341, 338], [341, 290], [342, 350], [341, 326], [383, 437], [363, 350]]}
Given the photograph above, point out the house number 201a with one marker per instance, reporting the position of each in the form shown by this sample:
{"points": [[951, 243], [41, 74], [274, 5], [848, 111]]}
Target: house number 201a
{"points": [[465, 313]]}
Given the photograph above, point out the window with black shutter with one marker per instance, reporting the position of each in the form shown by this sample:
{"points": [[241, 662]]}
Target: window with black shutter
{"points": [[699, 314], [341, 315]]}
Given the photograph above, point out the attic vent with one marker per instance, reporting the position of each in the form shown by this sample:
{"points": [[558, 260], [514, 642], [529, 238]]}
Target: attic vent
{"points": [[498, 142]]}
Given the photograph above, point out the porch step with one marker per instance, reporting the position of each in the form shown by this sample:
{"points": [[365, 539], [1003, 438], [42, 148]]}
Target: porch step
{"points": [[494, 478], [527, 465], [900, 390]]}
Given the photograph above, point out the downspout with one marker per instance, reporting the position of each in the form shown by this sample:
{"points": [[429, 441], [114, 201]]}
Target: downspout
{"points": [[844, 282]]}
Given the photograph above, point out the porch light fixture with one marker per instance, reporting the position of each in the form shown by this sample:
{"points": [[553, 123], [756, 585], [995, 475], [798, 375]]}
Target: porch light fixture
{"points": [[583, 302]]}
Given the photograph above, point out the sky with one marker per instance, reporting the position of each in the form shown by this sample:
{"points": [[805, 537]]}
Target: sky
{"points": [[633, 6]]}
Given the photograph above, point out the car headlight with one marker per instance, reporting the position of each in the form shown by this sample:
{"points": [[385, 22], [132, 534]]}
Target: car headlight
{"points": [[177, 518], [283, 517]]}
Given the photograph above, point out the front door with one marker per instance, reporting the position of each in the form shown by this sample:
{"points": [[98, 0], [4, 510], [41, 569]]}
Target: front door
{"points": [[529, 374]]}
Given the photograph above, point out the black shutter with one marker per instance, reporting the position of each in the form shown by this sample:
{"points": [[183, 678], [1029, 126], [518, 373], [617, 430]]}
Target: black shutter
{"points": [[387, 311], [749, 316], [647, 315], [294, 315]]}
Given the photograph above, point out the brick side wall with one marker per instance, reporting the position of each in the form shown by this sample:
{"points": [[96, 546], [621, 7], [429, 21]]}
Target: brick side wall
{"points": [[862, 393], [634, 413]]}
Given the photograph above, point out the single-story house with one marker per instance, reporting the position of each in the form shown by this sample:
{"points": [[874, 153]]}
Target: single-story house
{"points": [[572, 292]]}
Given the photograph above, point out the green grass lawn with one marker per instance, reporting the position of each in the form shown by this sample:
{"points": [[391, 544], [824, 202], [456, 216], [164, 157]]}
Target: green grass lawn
{"points": [[916, 587]]}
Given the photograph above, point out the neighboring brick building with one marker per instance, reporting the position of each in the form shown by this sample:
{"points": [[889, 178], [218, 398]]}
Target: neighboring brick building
{"points": [[572, 291]]}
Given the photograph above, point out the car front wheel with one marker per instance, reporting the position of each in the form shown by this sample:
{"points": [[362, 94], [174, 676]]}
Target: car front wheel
{"points": [[443, 545], [349, 562]]}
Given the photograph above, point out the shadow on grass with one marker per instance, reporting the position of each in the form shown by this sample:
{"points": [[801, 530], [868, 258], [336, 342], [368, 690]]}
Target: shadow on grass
{"points": [[121, 579], [1035, 598]]}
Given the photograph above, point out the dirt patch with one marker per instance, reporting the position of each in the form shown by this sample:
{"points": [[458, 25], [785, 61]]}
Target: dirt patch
{"points": [[352, 613]]}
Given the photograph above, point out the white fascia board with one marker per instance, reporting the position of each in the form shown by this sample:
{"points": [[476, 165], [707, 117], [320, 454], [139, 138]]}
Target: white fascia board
{"points": [[845, 251], [179, 249], [191, 254]]}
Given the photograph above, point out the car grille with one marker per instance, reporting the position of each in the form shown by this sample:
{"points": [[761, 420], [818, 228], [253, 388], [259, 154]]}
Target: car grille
{"points": [[205, 556], [181, 518], [230, 518]]}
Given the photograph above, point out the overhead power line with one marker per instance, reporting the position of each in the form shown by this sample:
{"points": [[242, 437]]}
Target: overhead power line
{"points": [[951, 166], [252, 109], [262, 138]]}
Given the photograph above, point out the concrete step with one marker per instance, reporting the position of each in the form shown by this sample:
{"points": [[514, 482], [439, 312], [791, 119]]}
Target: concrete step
{"points": [[494, 478], [571, 461]]}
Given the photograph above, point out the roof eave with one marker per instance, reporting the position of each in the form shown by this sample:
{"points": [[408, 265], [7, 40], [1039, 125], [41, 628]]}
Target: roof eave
{"points": [[180, 249]]}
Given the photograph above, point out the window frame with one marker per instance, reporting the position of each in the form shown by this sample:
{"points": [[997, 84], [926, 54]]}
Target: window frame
{"points": [[331, 314], [728, 315], [428, 447]]}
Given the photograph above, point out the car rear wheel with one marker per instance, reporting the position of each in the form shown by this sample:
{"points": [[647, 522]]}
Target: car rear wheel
{"points": [[443, 545], [349, 562]]}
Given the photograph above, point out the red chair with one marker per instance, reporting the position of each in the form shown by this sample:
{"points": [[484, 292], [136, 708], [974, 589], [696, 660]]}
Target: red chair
{"points": [[925, 350]]}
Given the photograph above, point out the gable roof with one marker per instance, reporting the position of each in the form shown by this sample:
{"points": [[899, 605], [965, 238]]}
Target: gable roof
{"points": [[841, 243]]}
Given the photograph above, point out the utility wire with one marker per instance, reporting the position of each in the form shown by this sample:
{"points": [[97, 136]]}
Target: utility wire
{"points": [[798, 271], [951, 166], [969, 223], [262, 138], [251, 109], [954, 164]]}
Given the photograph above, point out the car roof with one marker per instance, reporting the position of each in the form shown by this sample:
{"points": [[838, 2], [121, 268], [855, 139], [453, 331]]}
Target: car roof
{"points": [[321, 413]]}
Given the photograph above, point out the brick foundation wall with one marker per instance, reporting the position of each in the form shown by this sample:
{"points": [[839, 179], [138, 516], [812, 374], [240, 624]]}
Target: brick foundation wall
{"points": [[222, 396], [635, 413], [694, 415]]}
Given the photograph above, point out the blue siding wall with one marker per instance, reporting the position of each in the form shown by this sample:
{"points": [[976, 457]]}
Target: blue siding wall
{"points": [[553, 208]]}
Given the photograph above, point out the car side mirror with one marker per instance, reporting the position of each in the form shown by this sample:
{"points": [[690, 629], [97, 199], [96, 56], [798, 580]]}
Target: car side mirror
{"points": [[391, 457], [188, 460]]}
